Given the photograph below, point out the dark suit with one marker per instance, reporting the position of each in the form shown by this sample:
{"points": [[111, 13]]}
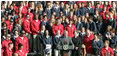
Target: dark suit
{"points": [[90, 11], [111, 23], [82, 11], [67, 42]]}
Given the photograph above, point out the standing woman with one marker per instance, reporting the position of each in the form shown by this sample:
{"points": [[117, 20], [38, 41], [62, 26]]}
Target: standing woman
{"points": [[47, 41], [77, 43]]}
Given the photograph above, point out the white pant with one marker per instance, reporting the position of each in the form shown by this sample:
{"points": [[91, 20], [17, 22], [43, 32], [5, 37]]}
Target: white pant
{"points": [[56, 52]]}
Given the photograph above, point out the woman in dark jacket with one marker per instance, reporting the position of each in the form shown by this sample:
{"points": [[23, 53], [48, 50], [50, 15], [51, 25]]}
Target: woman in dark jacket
{"points": [[77, 44], [97, 44]]}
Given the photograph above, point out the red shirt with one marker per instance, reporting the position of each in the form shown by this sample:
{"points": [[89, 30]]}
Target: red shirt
{"points": [[20, 53], [5, 43], [8, 52], [16, 9], [31, 16], [56, 27], [26, 26], [2, 52], [70, 30], [24, 42], [10, 27], [87, 41], [35, 26], [102, 14], [103, 51]]}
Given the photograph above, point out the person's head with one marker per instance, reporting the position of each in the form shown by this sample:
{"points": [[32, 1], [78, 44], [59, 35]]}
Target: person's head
{"points": [[20, 46], [75, 33], [43, 27], [11, 7], [109, 2], [82, 29], [16, 32], [65, 33], [90, 19], [45, 18], [89, 4], [104, 7], [75, 5], [61, 13], [87, 14], [8, 36], [106, 14], [3, 19], [95, 36], [62, 4], [46, 32], [58, 21], [88, 32], [27, 17], [109, 28], [29, 10], [70, 22], [67, 20], [112, 31], [36, 17], [9, 17], [22, 33], [111, 15], [82, 4], [98, 5], [10, 45], [58, 32], [106, 43], [71, 13], [79, 19], [15, 54]]}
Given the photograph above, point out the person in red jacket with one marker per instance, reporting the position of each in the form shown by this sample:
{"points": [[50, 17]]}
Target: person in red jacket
{"points": [[6, 42], [57, 26], [9, 51], [26, 27], [22, 9], [102, 13], [70, 28], [2, 50], [8, 21], [35, 27], [87, 41], [23, 40], [106, 50], [26, 24], [20, 51], [31, 16]]}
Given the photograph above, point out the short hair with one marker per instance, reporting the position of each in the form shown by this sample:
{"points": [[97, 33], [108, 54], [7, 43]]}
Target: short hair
{"points": [[19, 45], [106, 41], [9, 44]]}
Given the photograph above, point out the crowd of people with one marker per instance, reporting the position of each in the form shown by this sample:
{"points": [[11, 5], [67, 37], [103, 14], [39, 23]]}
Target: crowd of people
{"points": [[42, 26]]}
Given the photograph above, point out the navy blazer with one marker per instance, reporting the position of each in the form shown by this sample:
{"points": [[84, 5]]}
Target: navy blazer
{"points": [[78, 26], [97, 46], [92, 27], [90, 11], [48, 13], [77, 13], [82, 11], [57, 10], [111, 23]]}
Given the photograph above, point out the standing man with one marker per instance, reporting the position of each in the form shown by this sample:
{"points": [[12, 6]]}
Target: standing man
{"points": [[22, 40]]}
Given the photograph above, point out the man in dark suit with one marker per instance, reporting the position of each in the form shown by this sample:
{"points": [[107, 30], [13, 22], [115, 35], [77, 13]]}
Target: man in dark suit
{"points": [[65, 40]]}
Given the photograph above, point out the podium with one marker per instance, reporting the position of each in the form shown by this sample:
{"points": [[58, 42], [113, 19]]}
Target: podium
{"points": [[65, 49]]}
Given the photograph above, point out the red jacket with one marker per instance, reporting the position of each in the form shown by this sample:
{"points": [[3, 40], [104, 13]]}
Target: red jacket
{"points": [[56, 27], [24, 42], [7, 23], [20, 53], [26, 26], [8, 52], [35, 26], [10, 27], [2, 52], [31, 16], [24, 11], [102, 14], [87, 41], [108, 7], [103, 51], [70, 30], [16, 9], [5, 43]]}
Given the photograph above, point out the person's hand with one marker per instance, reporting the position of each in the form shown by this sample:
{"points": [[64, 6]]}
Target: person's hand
{"points": [[37, 31], [26, 54], [109, 37], [76, 48]]}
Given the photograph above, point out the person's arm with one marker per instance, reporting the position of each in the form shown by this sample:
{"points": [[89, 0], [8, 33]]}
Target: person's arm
{"points": [[27, 47], [53, 29], [62, 30], [16, 44], [111, 52]]}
